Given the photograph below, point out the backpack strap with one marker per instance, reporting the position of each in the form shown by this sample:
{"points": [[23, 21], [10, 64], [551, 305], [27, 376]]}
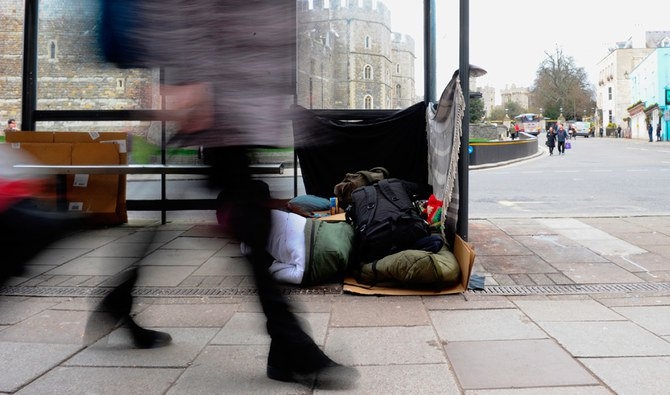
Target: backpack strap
{"points": [[386, 189], [370, 202]]}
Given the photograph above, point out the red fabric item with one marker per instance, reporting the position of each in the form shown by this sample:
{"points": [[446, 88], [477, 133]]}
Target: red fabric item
{"points": [[432, 205], [11, 191]]}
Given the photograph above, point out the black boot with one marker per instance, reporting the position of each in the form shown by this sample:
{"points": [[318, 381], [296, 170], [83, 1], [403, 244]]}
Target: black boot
{"points": [[118, 303], [308, 365]]}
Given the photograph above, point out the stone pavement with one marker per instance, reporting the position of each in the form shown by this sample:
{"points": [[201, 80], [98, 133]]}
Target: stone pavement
{"points": [[571, 306]]}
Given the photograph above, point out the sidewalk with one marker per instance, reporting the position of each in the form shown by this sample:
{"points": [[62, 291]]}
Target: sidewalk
{"points": [[571, 306]]}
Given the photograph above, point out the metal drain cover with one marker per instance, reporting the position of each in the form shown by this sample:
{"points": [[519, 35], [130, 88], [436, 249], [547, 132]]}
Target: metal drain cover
{"points": [[572, 289], [159, 291]]}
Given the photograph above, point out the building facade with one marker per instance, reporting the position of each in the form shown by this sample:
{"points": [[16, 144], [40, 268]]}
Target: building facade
{"points": [[348, 57], [518, 95], [649, 82]]}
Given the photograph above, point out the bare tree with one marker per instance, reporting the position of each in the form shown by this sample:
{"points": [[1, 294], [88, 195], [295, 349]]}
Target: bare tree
{"points": [[560, 84]]}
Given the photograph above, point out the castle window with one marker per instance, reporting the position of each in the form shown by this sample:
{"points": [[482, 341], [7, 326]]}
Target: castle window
{"points": [[52, 50], [397, 68], [398, 91], [367, 72], [367, 42], [120, 84], [367, 100]]}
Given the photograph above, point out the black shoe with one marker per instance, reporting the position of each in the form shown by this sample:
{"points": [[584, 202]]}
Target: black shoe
{"points": [[147, 338], [310, 367]]}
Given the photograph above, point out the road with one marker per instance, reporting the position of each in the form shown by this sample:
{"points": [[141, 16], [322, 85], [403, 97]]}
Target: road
{"points": [[599, 177]]}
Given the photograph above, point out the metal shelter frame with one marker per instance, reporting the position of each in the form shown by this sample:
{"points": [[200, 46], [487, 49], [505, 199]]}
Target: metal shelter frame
{"points": [[30, 115]]}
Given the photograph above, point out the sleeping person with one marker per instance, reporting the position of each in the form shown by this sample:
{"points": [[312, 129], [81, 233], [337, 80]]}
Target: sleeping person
{"points": [[307, 251]]}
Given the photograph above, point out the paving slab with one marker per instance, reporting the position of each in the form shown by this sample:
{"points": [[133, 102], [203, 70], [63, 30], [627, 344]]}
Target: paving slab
{"points": [[581, 390], [596, 273], [21, 363], [14, 310], [116, 349], [496, 324], [172, 257], [606, 339], [103, 381], [49, 326], [390, 345], [163, 276], [632, 375], [93, 266], [655, 319], [232, 370], [566, 310], [426, 379], [515, 364], [387, 311], [196, 243], [206, 315], [222, 265]]}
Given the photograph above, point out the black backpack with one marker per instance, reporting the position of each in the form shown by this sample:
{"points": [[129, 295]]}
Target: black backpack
{"points": [[385, 218]]}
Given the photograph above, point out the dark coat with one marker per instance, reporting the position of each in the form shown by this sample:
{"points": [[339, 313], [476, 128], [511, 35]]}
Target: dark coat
{"points": [[551, 139]]}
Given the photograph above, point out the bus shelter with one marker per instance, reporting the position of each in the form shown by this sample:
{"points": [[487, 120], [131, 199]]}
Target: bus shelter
{"points": [[46, 37]]}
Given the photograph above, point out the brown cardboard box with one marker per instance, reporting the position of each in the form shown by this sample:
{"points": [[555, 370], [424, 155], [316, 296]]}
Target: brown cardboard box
{"points": [[93, 193], [47, 153], [88, 137], [28, 137]]}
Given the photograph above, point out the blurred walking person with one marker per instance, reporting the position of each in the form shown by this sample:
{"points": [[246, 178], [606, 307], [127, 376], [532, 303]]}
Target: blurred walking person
{"points": [[229, 76]]}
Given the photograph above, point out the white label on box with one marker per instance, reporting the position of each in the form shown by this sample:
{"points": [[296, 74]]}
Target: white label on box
{"points": [[121, 144], [16, 145], [80, 180], [76, 206], [94, 135]]}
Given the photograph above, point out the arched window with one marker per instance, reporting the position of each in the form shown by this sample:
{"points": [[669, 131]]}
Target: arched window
{"points": [[52, 50], [367, 101], [398, 91], [367, 72], [367, 42], [397, 68]]}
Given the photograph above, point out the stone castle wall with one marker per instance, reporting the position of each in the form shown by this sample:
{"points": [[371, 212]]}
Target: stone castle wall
{"points": [[332, 56]]}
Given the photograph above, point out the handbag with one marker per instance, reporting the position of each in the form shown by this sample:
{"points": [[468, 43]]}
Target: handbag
{"points": [[568, 145]]}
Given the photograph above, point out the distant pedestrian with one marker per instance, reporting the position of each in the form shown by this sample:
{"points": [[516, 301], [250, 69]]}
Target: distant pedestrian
{"points": [[658, 131], [11, 125], [551, 140], [516, 131], [618, 131], [601, 131], [650, 130], [561, 137]]}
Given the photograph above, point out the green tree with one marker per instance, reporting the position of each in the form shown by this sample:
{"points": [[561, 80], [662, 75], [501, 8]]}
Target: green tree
{"points": [[560, 83], [477, 111]]}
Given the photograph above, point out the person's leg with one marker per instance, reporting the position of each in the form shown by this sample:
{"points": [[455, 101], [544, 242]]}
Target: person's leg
{"points": [[245, 212], [117, 305]]}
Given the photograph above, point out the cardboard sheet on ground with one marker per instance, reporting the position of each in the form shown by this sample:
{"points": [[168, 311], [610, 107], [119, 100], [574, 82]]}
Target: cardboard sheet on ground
{"points": [[465, 255]]}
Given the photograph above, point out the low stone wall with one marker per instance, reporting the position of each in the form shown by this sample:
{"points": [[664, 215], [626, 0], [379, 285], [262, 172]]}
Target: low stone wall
{"points": [[487, 131]]}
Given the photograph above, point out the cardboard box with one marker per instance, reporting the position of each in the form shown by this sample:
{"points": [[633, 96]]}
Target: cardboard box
{"points": [[88, 137], [47, 153], [93, 193], [28, 137]]}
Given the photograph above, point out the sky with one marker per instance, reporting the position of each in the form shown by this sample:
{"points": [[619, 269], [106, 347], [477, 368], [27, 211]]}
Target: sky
{"points": [[510, 38]]}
